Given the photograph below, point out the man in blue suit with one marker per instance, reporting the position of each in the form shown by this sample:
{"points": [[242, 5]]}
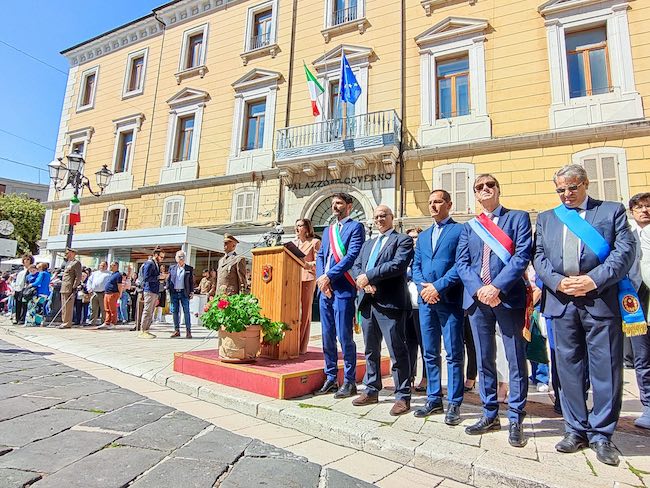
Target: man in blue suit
{"points": [[495, 291], [342, 243], [380, 274], [180, 283], [581, 296], [440, 307]]}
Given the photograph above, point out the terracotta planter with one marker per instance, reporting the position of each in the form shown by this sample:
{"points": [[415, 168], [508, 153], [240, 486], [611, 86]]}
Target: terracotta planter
{"points": [[240, 346]]}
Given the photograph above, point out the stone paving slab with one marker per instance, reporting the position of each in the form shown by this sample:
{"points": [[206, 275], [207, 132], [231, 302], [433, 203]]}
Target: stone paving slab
{"points": [[56, 452], [217, 446], [17, 406], [129, 418], [39, 425], [166, 434], [106, 401], [109, 468], [289, 473], [178, 472], [13, 478]]}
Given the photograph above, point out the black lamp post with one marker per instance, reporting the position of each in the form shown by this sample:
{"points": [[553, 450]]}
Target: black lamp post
{"points": [[71, 175]]}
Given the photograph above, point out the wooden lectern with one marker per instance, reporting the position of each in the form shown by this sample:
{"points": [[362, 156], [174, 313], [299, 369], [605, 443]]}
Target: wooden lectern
{"points": [[276, 284]]}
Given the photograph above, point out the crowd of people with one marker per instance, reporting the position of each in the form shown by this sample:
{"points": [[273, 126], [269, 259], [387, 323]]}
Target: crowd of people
{"points": [[496, 295], [74, 295]]}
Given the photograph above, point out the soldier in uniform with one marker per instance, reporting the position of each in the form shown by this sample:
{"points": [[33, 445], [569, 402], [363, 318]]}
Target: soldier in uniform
{"points": [[231, 269], [69, 283]]}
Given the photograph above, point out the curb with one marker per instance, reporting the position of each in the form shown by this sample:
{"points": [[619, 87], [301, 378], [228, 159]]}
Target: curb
{"points": [[464, 463]]}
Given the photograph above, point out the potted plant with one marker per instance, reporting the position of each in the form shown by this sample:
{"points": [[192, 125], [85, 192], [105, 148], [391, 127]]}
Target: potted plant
{"points": [[241, 326]]}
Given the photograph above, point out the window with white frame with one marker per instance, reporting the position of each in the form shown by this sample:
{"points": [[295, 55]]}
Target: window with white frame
{"points": [[136, 65], [261, 27], [124, 151], [183, 138], [114, 218], [87, 89], [607, 172], [453, 98], [173, 211], [344, 16], [78, 147], [590, 63], [78, 140], [254, 125], [457, 179], [244, 203], [193, 49], [64, 223]]}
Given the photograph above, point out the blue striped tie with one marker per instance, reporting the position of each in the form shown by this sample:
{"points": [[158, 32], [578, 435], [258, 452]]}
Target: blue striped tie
{"points": [[375, 253]]}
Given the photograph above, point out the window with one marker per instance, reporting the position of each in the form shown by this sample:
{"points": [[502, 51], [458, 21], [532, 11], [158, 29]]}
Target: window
{"points": [[124, 151], [244, 205], [457, 179], [88, 89], [183, 147], [607, 171], [64, 223], [78, 147], [453, 92], [262, 29], [193, 48], [344, 11], [590, 63], [587, 62], [453, 87], [114, 219], [254, 135], [173, 211], [134, 76]]}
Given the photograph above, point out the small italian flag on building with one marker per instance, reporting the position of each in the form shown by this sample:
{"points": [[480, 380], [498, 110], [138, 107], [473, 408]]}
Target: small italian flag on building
{"points": [[75, 211], [315, 89]]}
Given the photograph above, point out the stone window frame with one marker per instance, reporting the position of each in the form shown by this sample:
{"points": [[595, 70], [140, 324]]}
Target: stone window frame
{"points": [[243, 191], [272, 48], [166, 214], [620, 156], [470, 171], [82, 89], [126, 93], [200, 68]]}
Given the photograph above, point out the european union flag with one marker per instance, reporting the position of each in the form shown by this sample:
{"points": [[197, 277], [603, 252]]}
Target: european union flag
{"points": [[349, 89]]}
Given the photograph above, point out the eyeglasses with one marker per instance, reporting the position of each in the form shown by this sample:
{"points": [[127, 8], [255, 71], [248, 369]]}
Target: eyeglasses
{"points": [[570, 188], [380, 216], [487, 184], [641, 206]]}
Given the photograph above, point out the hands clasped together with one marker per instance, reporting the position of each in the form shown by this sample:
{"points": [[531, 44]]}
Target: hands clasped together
{"points": [[576, 286]]}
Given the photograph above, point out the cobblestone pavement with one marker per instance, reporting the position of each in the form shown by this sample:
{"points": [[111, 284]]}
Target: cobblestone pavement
{"points": [[62, 427]]}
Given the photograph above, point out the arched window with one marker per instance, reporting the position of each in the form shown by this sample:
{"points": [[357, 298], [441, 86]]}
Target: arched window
{"points": [[114, 218], [173, 211], [322, 214], [607, 171]]}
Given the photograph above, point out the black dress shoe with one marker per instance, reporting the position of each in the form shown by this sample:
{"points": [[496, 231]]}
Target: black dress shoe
{"points": [[606, 452], [516, 434], [452, 417], [483, 426], [429, 408], [330, 386], [346, 391], [571, 443]]}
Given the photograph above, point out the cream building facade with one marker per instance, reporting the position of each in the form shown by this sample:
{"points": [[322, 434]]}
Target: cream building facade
{"points": [[202, 111]]}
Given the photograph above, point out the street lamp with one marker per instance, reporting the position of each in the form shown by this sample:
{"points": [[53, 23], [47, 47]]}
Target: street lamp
{"points": [[71, 175]]}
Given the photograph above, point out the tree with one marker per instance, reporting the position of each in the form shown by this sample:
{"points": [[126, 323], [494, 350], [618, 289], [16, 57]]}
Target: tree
{"points": [[27, 216]]}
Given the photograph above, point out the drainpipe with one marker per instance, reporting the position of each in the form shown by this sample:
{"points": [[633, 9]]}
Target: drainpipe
{"points": [[287, 115], [155, 97], [402, 105]]}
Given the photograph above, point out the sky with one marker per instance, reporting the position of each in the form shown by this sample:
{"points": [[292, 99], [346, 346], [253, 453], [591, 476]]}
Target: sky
{"points": [[32, 90]]}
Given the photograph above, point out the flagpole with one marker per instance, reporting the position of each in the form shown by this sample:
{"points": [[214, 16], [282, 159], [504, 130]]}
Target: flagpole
{"points": [[344, 108]]}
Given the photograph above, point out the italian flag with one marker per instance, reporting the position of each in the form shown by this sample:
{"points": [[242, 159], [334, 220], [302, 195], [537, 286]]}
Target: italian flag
{"points": [[315, 89], [75, 211]]}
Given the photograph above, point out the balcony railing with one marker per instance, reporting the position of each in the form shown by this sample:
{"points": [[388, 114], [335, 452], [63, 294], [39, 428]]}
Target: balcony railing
{"points": [[260, 41], [344, 15], [360, 131]]}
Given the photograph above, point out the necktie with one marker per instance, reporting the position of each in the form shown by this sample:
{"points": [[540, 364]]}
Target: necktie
{"points": [[375, 253], [435, 235], [570, 256], [485, 265]]}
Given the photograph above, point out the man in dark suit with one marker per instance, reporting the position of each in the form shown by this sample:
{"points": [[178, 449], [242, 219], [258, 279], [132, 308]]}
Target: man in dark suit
{"points": [[581, 296], [341, 245], [494, 250], [440, 307], [180, 284], [380, 274]]}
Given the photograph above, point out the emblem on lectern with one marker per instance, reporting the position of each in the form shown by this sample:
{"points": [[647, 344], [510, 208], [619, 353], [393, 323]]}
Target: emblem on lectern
{"points": [[267, 273]]}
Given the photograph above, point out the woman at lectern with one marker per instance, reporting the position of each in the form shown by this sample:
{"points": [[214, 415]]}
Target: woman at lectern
{"points": [[309, 244]]}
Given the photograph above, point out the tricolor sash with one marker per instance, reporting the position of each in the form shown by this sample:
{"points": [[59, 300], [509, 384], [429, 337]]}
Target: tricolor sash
{"points": [[338, 248], [628, 300], [502, 245]]}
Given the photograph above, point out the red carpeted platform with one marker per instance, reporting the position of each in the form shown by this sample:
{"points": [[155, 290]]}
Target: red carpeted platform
{"points": [[271, 377]]}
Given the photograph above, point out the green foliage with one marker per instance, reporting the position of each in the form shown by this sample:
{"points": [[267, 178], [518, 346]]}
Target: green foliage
{"points": [[27, 216], [234, 313]]}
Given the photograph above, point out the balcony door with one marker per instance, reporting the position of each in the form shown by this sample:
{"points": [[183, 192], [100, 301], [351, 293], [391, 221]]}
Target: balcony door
{"points": [[335, 126]]}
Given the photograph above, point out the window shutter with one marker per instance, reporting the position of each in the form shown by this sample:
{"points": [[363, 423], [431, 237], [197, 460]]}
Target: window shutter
{"points": [[248, 214], [121, 223], [105, 221], [175, 213], [609, 179], [591, 167], [460, 194]]}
